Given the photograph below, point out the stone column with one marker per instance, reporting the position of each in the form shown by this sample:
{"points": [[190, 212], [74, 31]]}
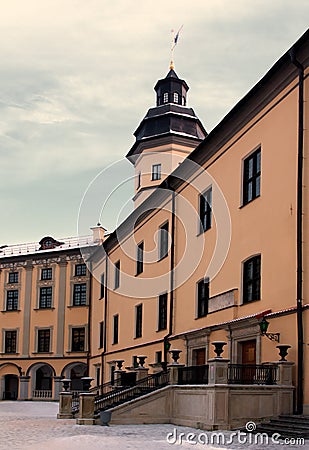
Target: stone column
{"points": [[218, 370], [285, 372], [61, 307], [65, 406], [174, 372], [24, 387], [57, 387], [86, 409], [27, 310]]}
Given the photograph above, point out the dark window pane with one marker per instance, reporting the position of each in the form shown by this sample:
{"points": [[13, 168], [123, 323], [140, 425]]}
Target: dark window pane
{"points": [[252, 176], [202, 298], [46, 274], [80, 270], [138, 320], [117, 274], [80, 294], [102, 289], [78, 339], [115, 329], [252, 279], [45, 297], [13, 277], [206, 210], [156, 172], [12, 300], [43, 341], [163, 241], [162, 320], [10, 342], [140, 258]]}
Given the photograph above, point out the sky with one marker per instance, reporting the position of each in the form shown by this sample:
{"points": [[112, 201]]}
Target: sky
{"points": [[77, 77]]}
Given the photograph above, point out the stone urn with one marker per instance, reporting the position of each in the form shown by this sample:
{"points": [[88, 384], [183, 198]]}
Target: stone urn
{"points": [[142, 360], [283, 351], [66, 384], [119, 363], [218, 348], [175, 355], [86, 383]]}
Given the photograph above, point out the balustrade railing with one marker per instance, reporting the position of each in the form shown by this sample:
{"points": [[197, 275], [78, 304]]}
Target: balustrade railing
{"points": [[252, 374], [42, 393], [124, 394], [193, 375]]}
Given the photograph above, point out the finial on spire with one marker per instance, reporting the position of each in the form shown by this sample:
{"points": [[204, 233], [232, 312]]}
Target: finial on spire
{"points": [[174, 43]]}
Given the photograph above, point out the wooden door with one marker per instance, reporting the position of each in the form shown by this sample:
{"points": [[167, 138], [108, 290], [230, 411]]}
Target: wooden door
{"points": [[199, 357], [248, 354]]}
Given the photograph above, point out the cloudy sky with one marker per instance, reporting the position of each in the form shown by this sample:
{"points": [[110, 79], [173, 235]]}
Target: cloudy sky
{"points": [[77, 77]]}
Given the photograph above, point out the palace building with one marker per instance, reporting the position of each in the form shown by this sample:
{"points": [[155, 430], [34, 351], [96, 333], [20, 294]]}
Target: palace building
{"points": [[215, 250]]}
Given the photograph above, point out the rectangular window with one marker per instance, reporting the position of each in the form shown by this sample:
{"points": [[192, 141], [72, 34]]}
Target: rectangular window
{"points": [[158, 357], [46, 274], [46, 294], [102, 287], [10, 342], [163, 241], [80, 270], [138, 320], [12, 300], [78, 339], [140, 258], [252, 177], [139, 179], [117, 275], [156, 172], [13, 277], [202, 298], [115, 328], [205, 210], [252, 279], [162, 319], [80, 294], [101, 336], [43, 341]]}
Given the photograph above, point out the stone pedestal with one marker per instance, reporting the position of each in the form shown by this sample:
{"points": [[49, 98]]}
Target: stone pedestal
{"points": [[65, 406], [285, 373], [117, 377], [218, 370], [57, 387], [141, 372], [24, 387], [86, 409], [173, 371]]}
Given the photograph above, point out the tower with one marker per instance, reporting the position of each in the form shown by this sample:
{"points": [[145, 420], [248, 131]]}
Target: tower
{"points": [[166, 135]]}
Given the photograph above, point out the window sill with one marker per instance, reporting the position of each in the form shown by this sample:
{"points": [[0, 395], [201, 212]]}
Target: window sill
{"points": [[248, 203], [42, 353], [10, 310], [158, 330], [9, 353], [78, 306], [203, 231], [76, 351], [163, 257], [250, 301], [201, 317], [43, 309]]}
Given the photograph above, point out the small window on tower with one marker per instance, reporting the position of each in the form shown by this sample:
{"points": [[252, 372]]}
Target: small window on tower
{"points": [[175, 97], [165, 97]]}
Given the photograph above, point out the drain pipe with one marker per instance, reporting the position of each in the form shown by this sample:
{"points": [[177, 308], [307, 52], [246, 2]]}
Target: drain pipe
{"points": [[300, 332], [172, 263]]}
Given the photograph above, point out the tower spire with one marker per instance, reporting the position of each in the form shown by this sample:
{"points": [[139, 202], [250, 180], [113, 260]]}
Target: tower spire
{"points": [[173, 45]]}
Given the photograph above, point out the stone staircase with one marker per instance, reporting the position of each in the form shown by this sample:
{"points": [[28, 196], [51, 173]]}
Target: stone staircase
{"points": [[287, 426]]}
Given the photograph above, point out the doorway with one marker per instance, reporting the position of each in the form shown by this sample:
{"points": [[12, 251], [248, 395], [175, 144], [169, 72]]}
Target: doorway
{"points": [[11, 387], [199, 357], [248, 352]]}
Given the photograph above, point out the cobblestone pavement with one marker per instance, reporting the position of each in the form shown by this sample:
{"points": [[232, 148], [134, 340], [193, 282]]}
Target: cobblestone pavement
{"points": [[33, 425]]}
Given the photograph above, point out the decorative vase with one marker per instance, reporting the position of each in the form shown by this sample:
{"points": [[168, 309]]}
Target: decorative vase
{"points": [[175, 355], [142, 360], [283, 351], [218, 348]]}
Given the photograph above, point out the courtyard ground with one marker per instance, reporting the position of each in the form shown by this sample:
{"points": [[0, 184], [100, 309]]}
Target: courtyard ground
{"points": [[33, 425]]}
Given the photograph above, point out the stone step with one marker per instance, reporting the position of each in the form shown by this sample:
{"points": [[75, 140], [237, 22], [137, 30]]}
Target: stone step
{"points": [[290, 424], [282, 430]]}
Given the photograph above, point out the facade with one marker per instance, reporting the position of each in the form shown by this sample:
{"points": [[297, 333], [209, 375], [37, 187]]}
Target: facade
{"points": [[217, 245], [45, 296]]}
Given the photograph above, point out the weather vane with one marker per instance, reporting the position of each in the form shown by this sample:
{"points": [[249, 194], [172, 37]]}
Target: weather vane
{"points": [[174, 43]]}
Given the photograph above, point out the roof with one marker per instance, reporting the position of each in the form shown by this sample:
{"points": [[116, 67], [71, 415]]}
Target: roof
{"points": [[70, 243]]}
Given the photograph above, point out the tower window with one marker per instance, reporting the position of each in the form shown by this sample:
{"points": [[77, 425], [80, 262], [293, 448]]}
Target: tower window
{"points": [[252, 177], [117, 275], [252, 279], [205, 210], [165, 97], [175, 97], [202, 297], [139, 176], [156, 172]]}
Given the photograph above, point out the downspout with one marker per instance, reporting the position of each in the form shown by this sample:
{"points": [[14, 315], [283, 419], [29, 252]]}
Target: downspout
{"points": [[172, 262], [89, 318], [300, 332], [105, 316]]}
